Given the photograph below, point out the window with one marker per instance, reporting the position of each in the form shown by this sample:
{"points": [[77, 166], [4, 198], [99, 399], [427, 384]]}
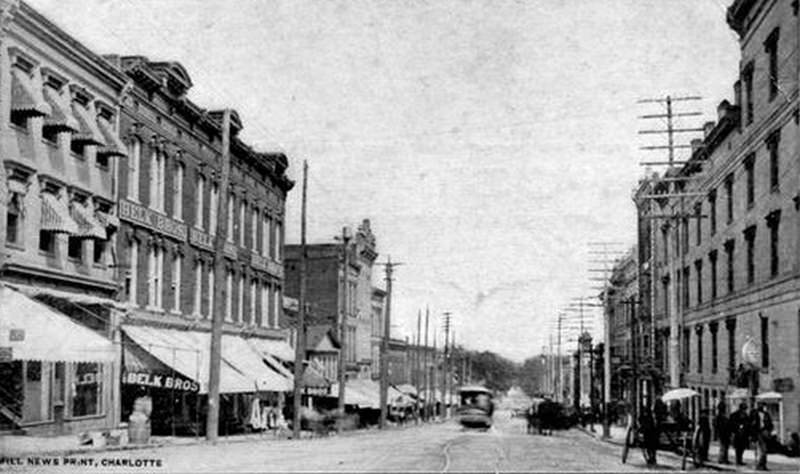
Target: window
{"points": [[99, 251], [134, 159], [686, 335], [686, 287], [211, 291], [750, 238], [684, 235], [698, 212], [199, 220], [101, 161], [14, 219], [155, 269], [254, 242], [747, 78], [133, 272], [253, 301], [157, 180], [229, 296], [729, 248], [712, 260], [212, 210], [240, 301], [75, 248], [698, 268], [230, 230], [19, 121], [278, 241], [198, 288], [665, 241], [277, 301], [764, 342], [773, 145], [712, 328], [730, 325], [771, 48], [773, 222], [266, 315], [729, 197], [242, 221], [749, 165], [87, 384], [177, 262], [266, 231], [712, 211], [699, 332], [177, 204]]}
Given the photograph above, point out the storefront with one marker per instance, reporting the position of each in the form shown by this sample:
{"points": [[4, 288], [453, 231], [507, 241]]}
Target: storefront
{"points": [[57, 374], [171, 366]]}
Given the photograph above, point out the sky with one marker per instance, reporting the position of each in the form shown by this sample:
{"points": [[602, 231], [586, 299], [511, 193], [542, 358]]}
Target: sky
{"points": [[489, 142]]}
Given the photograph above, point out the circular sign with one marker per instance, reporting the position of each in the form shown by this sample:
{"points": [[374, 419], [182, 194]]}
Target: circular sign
{"points": [[750, 353]]}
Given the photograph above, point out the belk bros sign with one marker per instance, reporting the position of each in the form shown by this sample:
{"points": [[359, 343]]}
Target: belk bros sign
{"points": [[160, 381]]}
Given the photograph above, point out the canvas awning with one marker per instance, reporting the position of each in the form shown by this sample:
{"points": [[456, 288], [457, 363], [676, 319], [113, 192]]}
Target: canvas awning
{"points": [[56, 216], [80, 298], [60, 118], [188, 352], [34, 331], [88, 226], [26, 99], [88, 132], [106, 219], [275, 347], [114, 145]]}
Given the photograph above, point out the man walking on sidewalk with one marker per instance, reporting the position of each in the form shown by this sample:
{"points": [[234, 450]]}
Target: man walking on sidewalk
{"points": [[722, 428], [762, 430], [740, 428]]}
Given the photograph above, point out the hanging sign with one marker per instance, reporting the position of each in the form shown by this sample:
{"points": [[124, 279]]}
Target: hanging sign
{"points": [[751, 354], [168, 382]]}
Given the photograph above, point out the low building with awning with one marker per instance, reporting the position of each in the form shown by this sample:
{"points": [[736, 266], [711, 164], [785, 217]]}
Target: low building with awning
{"points": [[57, 374]]}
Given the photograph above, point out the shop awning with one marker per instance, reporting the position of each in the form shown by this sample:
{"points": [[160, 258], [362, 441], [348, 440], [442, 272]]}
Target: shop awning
{"points": [[60, 118], [34, 331], [106, 219], [188, 352], [114, 145], [88, 226], [80, 298], [25, 98], [56, 216], [88, 132], [313, 379], [274, 347]]}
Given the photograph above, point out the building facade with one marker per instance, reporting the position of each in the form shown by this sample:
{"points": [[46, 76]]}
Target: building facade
{"points": [[59, 112]]}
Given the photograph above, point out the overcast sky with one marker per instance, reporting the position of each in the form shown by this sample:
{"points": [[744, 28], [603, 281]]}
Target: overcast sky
{"points": [[488, 141]]}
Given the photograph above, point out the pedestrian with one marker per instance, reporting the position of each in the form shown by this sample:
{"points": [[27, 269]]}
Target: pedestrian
{"points": [[722, 428], [762, 430], [650, 433], [740, 429], [704, 432]]}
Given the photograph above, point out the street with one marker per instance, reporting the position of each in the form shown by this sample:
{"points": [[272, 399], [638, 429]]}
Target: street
{"points": [[441, 447]]}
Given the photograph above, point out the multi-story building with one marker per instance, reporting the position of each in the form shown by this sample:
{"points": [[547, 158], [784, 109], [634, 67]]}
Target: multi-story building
{"points": [[59, 109], [326, 293], [728, 262], [169, 200], [377, 329], [620, 305]]}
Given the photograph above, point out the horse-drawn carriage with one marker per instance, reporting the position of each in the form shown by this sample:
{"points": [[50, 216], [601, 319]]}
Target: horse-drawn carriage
{"points": [[675, 433]]}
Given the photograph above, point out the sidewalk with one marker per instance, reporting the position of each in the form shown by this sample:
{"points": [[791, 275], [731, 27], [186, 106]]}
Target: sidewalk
{"points": [[775, 462]]}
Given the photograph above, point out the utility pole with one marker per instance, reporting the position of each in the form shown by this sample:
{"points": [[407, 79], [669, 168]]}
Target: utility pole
{"points": [[417, 357], [389, 267], [212, 416], [300, 345], [434, 373], [427, 367], [445, 368], [341, 327]]}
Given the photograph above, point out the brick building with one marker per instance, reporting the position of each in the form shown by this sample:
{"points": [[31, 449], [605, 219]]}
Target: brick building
{"points": [[59, 107], [726, 268]]}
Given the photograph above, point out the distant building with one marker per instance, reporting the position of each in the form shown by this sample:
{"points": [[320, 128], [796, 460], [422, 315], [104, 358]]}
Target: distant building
{"points": [[620, 306]]}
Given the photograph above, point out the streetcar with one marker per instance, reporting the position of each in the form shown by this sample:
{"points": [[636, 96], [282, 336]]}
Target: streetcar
{"points": [[476, 407]]}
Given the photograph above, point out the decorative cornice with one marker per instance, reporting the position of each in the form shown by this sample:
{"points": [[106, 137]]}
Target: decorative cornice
{"points": [[8, 9]]}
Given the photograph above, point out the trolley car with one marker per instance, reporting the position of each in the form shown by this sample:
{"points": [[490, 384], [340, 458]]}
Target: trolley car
{"points": [[476, 407]]}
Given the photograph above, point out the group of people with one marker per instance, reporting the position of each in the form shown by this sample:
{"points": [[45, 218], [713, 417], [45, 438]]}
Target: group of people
{"points": [[742, 427]]}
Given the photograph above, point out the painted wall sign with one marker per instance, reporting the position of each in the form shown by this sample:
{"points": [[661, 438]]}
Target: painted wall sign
{"points": [[201, 239], [160, 381], [16, 335], [138, 214]]}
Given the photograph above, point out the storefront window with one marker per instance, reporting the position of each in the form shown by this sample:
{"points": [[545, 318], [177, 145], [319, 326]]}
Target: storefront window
{"points": [[86, 389]]}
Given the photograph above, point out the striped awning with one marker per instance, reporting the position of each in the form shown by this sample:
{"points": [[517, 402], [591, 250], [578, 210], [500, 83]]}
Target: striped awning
{"points": [[61, 118], [88, 132], [88, 226], [26, 99], [106, 219], [55, 215], [114, 146]]}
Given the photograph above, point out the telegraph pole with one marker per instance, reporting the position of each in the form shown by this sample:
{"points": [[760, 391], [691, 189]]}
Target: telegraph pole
{"points": [[300, 345], [212, 416], [389, 267], [445, 363], [418, 358], [341, 329], [426, 366]]}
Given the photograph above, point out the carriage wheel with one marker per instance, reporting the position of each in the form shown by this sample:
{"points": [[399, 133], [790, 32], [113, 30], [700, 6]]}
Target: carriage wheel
{"points": [[627, 444]]}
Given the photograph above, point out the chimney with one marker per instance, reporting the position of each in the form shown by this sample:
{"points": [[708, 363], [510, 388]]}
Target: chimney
{"points": [[737, 93], [707, 128], [696, 144], [722, 109]]}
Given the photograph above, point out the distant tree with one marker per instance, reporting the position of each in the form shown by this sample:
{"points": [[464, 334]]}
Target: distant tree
{"points": [[532, 376]]}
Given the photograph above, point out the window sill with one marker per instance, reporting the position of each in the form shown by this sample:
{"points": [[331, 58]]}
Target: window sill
{"points": [[15, 246], [85, 417], [175, 312], [154, 309]]}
